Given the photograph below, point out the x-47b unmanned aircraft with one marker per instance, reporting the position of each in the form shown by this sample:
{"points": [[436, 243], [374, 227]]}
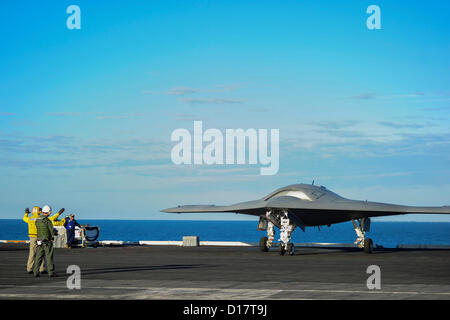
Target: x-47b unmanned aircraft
{"points": [[303, 205]]}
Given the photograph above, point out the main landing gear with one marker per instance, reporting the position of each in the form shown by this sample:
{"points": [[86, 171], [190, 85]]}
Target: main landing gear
{"points": [[266, 242], [361, 228], [281, 220]]}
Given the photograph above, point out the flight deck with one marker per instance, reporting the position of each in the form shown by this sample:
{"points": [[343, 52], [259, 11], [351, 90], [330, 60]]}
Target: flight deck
{"points": [[224, 273]]}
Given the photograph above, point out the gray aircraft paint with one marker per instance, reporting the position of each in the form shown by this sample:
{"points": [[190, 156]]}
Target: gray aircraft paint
{"points": [[324, 207]]}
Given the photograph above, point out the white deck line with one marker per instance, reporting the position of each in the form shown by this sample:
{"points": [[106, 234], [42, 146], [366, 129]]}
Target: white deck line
{"points": [[237, 244], [227, 243], [161, 243]]}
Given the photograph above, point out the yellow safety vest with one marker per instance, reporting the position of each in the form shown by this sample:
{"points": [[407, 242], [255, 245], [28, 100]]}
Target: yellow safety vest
{"points": [[31, 220], [59, 223]]}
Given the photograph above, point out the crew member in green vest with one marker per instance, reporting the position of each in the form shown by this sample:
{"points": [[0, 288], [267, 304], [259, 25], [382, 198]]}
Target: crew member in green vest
{"points": [[45, 236]]}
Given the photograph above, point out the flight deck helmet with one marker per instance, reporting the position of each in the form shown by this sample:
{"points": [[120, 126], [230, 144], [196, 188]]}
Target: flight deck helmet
{"points": [[46, 209]]}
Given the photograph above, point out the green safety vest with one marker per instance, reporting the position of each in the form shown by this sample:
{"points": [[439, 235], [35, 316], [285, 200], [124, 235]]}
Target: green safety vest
{"points": [[44, 228]]}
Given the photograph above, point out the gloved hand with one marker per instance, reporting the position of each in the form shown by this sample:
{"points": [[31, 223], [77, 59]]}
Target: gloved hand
{"points": [[61, 211], [27, 211]]}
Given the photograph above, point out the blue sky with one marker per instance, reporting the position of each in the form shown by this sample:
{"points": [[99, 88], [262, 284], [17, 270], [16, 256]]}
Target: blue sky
{"points": [[86, 115]]}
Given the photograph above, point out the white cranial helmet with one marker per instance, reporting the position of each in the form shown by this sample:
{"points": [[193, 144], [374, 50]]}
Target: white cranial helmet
{"points": [[46, 209]]}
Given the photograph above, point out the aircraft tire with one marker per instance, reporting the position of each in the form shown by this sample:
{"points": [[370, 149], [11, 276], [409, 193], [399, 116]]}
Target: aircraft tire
{"points": [[263, 244], [290, 249], [368, 245]]}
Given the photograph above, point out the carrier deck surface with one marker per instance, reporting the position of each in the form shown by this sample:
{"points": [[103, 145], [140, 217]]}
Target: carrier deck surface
{"points": [[218, 273]]}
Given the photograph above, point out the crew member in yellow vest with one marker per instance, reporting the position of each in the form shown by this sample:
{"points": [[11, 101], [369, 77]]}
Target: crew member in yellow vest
{"points": [[32, 233], [59, 223]]}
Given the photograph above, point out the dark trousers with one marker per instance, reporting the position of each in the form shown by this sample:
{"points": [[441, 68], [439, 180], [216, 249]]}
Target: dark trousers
{"points": [[70, 237], [45, 249]]}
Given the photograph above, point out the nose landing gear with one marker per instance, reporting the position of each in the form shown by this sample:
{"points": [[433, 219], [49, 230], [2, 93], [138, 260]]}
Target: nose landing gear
{"points": [[282, 221], [288, 250]]}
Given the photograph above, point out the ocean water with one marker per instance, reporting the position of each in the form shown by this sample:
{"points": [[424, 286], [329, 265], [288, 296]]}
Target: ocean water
{"points": [[387, 234]]}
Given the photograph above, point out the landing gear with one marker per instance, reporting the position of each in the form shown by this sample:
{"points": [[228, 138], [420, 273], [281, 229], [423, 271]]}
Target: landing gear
{"points": [[361, 228], [287, 227], [266, 242], [263, 244], [280, 219], [368, 245], [290, 249]]}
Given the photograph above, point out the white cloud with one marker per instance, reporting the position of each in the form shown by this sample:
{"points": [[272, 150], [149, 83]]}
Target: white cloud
{"points": [[212, 101], [180, 91]]}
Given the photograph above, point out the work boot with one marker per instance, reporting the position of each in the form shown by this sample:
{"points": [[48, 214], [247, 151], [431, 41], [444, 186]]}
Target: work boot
{"points": [[43, 272]]}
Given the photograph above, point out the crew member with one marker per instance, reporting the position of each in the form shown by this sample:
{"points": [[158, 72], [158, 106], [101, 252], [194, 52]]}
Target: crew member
{"points": [[70, 230], [45, 236], [53, 218], [58, 223], [32, 233]]}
